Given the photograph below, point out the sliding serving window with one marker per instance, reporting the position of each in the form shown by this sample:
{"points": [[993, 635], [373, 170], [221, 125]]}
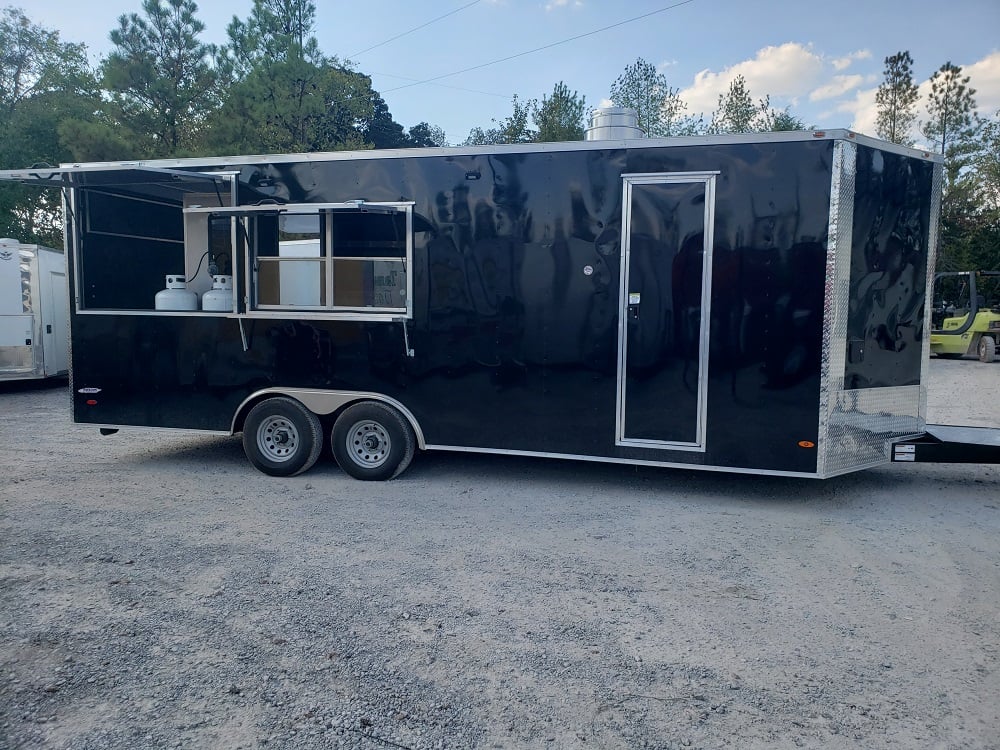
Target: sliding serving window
{"points": [[342, 259]]}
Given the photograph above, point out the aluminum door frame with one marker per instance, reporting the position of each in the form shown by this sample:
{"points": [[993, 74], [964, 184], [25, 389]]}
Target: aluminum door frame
{"points": [[657, 178]]}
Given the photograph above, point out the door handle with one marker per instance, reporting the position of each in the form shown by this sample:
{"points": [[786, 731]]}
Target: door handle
{"points": [[633, 306]]}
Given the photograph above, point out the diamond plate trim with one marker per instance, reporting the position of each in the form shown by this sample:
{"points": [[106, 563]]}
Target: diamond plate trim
{"points": [[933, 224], [836, 295], [863, 423]]}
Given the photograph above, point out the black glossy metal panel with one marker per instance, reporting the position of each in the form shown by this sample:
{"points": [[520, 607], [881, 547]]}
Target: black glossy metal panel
{"points": [[885, 325], [514, 340]]}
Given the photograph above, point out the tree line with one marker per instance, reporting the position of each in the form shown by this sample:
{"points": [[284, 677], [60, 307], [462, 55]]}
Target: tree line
{"points": [[162, 92], [970, 209]]}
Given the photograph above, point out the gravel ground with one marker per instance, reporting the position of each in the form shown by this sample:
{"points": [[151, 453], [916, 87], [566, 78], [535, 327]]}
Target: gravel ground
{"points": [[157, 592]]}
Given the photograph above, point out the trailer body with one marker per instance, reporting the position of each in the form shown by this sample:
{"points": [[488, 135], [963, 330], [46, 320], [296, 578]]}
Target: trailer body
{"points": [[745, 303], [34, 315]]}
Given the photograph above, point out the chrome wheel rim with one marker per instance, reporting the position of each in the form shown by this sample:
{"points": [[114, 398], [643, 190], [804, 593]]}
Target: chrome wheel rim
{"points": [[277, 439], [368, 444]]}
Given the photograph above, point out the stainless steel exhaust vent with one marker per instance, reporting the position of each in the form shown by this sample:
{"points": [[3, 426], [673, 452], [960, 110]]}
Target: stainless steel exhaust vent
{"points": [[613, 123]]}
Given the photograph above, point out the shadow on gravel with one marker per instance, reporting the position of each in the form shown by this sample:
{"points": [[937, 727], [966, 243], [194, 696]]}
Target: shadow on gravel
{"points": [[441, 469], [888, 484], [29, 386], [192, 452], [592, 475]]}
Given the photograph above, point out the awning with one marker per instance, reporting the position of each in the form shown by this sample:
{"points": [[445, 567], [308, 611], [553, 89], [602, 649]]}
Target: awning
{"points": [[127, 181]]}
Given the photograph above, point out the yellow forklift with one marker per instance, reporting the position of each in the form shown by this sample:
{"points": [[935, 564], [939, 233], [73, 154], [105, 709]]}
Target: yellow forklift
{"points": [[965, 318]]}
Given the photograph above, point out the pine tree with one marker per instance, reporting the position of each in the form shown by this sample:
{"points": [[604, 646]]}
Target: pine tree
{"points": [[737, 112], [560, 117], [953, 122], [284, 95], [159, 77], [896, 100], [953, 128], [659, 106]]}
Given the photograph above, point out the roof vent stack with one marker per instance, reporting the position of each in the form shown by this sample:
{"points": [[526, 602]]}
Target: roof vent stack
{"points": [[613, 123]]}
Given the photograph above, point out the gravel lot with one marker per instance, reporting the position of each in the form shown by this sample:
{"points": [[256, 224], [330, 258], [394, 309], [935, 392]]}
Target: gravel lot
{"points": [[156, 592]]}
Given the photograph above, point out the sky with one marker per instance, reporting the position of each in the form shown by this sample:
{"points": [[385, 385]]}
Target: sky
{"points": [[823, 61]]}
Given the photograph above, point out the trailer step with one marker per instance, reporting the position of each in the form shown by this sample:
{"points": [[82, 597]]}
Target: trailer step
{"points": [[951, 444]]}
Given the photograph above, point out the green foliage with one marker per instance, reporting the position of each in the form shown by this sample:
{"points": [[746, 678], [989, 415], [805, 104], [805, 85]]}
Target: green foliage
{"points": [[987, 168], [954, 128], [512, 129], [953, 124], [560, 117], [43, 82], [159, 78], [294, 106], [285, 96], [276, 31], [423, 135], [34, 61], [737, 112], [659, 107], [381, 131], [970, 221], [783, 120], [896, 100]]}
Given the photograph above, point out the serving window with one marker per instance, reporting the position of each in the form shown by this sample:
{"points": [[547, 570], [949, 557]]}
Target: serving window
{"points": [[345, 259]]}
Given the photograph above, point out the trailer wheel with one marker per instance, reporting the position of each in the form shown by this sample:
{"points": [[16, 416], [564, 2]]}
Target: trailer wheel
{"points": [[373, 441], [987, 349], [281, 437]]}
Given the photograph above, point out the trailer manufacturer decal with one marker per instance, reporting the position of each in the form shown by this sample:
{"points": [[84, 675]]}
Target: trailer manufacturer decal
{"points": [[89, 391]]}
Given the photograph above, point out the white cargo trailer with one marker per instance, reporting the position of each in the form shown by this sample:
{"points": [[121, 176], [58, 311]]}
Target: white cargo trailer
{"points": [[34, 315]]}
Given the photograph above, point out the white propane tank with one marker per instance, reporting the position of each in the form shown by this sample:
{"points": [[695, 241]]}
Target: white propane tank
{"points": [[176, 296], [220, 297]]}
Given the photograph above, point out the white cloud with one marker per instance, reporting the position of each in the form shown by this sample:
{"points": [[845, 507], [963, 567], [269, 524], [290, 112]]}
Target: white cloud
{"points": [[785, 72], [984, 77], [838, 86], [860, 107], [842, 63], [556, 4]]}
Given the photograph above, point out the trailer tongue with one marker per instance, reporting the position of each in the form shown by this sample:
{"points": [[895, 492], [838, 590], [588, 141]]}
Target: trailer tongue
{"points": [[951, 444]]}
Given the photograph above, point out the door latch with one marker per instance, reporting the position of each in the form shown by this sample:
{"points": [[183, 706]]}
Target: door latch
{"points": [[633, 306]]}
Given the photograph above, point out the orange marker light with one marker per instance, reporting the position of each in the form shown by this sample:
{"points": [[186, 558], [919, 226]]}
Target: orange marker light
{"points": [[91, 402], [807, 444]]}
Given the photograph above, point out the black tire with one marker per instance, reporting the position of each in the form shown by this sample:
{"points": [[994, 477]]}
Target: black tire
{"points": [[372, 441], [281, 437], [987, 349]]}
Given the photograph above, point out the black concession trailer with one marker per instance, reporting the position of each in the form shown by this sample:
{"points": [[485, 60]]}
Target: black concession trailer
{"points": [[750, 303]]}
